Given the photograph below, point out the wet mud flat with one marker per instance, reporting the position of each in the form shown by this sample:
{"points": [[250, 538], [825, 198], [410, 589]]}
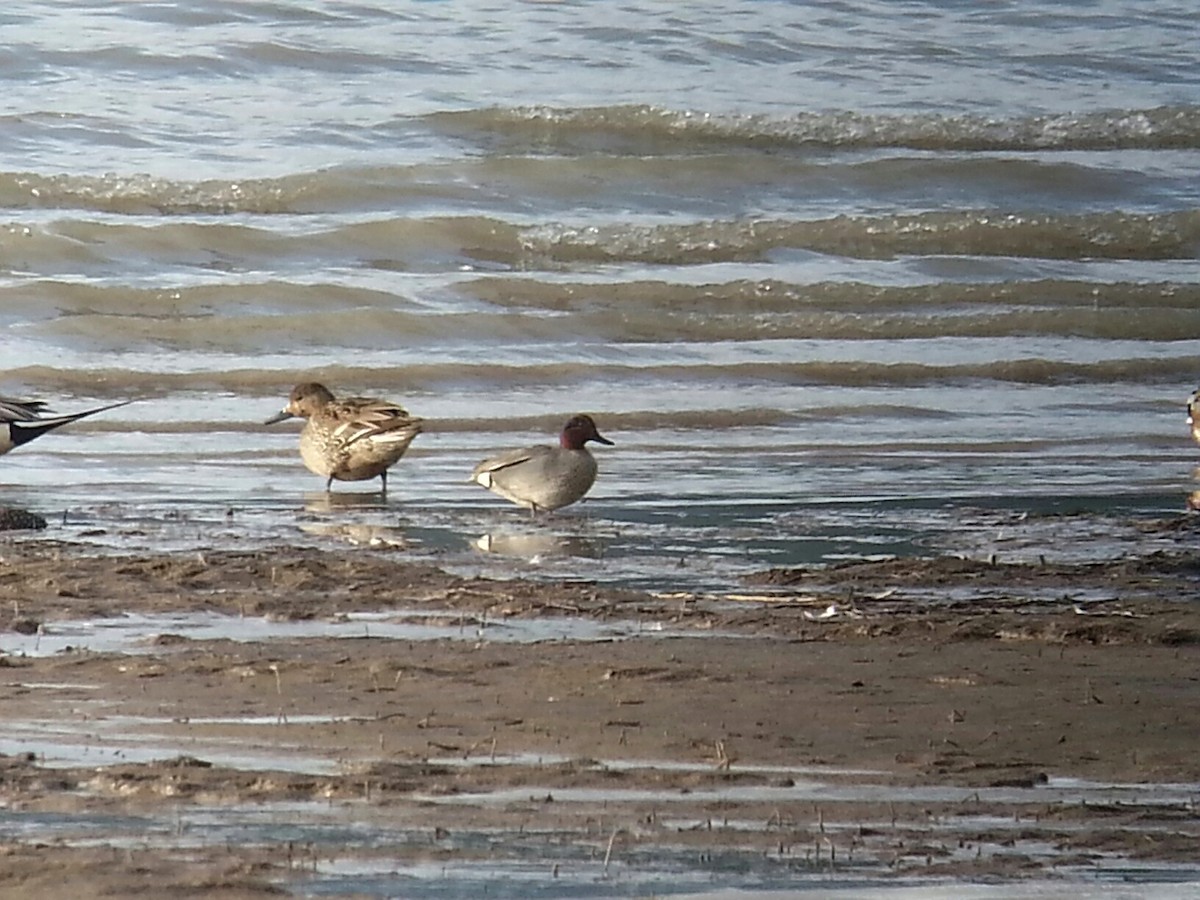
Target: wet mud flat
{"points": [[346, 723]]}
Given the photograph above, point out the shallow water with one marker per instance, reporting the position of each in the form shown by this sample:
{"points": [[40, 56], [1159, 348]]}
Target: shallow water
{"points": [[343, 848], [134, 634], [826, 274]]}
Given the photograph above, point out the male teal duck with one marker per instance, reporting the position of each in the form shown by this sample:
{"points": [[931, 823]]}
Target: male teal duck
{"points": [[543, 477]]}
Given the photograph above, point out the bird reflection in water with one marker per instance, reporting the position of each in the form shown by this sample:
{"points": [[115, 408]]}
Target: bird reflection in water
{"points": [[361, 534], [323, 503], [539, 544]]}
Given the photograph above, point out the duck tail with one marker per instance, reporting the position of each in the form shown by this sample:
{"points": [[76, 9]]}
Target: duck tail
{"points": [[22, 432]]}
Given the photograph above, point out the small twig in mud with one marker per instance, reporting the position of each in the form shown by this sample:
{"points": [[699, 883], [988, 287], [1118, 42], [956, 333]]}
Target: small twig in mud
{"points": [[608, 850], [274, 667], [563, 607], [724, 760], [470, 751], [373, 670]]}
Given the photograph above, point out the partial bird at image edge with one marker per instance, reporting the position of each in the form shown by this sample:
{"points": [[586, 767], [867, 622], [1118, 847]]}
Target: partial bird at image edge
{"points": [[23, 420]]}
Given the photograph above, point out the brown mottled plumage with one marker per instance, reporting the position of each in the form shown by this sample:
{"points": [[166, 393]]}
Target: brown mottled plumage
{"points": [[352, 439]]}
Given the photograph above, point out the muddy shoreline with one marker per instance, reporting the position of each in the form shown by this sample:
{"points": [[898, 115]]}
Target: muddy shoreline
{"points": [[880, 721]]}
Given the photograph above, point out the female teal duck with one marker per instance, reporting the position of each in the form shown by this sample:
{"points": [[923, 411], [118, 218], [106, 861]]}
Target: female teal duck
{"points": [[543, 477], [352, 439]]}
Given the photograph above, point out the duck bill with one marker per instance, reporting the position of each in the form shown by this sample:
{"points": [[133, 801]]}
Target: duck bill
{"points": [[601, 439], [279, 417]]}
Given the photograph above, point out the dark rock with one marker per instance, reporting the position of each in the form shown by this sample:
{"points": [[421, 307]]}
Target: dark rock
{"points": [[13, 519]]}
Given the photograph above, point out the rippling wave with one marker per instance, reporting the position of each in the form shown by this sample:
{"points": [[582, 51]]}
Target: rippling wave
{"points": [[1049, 236], [434, 378], [244, 318], [627, 127], [477, 240]]}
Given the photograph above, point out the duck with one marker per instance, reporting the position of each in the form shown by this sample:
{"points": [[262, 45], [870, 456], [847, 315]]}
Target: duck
{"points": [[544, 478], [23, 420], [351, 439], [1193, 414]]}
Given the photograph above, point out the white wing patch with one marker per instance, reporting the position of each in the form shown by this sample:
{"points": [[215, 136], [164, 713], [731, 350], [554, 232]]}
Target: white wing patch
{"points": [[390, 437]]}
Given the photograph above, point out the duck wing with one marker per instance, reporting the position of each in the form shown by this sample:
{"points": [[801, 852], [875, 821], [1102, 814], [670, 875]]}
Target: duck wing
{"points": [[363, 418], [483, 472]]}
